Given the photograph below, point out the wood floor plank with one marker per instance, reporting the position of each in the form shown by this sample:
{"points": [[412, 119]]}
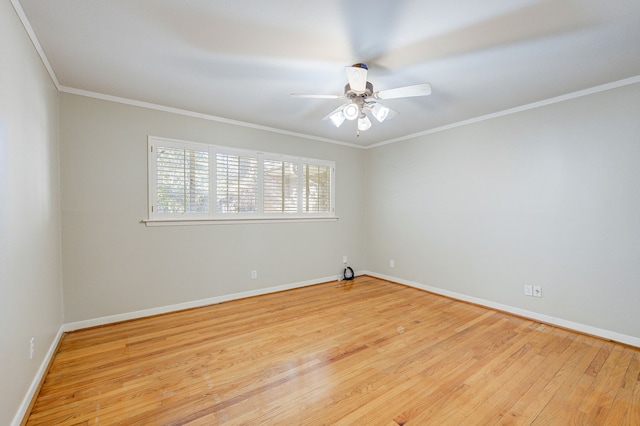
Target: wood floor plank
{"points": [[606, 386], [623, 402], [564, 391], [364, 352], [464, 398]]}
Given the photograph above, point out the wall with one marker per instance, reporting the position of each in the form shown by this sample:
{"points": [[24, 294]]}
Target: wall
{"points": [[30, 274], [116, 265], [548, 196]]}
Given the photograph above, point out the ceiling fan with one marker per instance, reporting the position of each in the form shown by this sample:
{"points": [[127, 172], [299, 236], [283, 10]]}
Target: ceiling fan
{"points": [[362, 99]]}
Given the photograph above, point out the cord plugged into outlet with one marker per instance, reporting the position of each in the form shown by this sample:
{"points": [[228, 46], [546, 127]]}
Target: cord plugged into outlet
{"points": [[344, 266]]}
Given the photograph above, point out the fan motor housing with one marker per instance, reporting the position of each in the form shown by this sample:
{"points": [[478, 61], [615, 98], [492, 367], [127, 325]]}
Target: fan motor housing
{"points": [[368, 92]]}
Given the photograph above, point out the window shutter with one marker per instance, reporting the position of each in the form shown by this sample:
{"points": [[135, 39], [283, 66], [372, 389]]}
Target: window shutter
{"points": [[190, 181], [236, 183], [316, 193], [280, 187], [182, 180]]}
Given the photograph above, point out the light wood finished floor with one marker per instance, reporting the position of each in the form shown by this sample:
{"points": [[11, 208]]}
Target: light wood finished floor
{"points": [[369, 353]]}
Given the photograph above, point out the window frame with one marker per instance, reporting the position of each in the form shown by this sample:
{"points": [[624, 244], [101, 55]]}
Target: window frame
{"points": [[155, 218]]}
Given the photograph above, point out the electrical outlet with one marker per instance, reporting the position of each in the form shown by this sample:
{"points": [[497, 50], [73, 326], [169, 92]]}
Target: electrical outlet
{"points": [[392, 263], [254, 274], [32, 347], [537, 291], [528, 290], [344, 259]]}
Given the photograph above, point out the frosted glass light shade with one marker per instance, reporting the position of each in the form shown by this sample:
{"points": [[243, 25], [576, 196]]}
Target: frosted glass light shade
{"points": [[364, 123], [337, 118], [380, 112]]}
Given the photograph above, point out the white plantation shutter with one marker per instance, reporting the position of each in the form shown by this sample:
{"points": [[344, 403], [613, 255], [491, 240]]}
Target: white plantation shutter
{"points": [[280, 190], [236, 183], [316, 193], [192, 181], [182, 180]]}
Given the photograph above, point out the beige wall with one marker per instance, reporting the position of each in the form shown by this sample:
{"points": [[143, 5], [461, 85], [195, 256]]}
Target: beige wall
{"points": [[30, 279], [546, 197], [549, 197], [113, 264]]}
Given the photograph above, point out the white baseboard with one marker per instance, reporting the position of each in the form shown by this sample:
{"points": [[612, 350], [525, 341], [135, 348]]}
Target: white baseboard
{"points": [[188, 305], [546, 319], [582, 328], [33, 388], [24, 406]]}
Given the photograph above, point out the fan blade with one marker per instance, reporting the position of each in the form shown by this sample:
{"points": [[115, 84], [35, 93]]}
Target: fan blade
{"points": [[423, 89], [375, 38], [299, 95], [357, 76]]}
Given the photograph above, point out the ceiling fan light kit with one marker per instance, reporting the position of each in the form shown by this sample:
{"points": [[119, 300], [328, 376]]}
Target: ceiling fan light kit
{"points": [[337, 118], [351, 111], [380, 112], [364, 123], [362, 99]]}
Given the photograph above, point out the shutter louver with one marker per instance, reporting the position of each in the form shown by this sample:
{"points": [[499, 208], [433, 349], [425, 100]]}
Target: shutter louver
{"points": [[182, 179], [317, 189], [280, 190], [236, 183]]}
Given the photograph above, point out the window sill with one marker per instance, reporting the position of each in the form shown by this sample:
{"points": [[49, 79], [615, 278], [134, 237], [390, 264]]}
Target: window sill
{"points": [[209, 221]]}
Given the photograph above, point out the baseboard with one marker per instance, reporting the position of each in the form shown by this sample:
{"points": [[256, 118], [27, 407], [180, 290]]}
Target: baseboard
{"points": [[546, 319], [189, 305], [37, 380], [35, 385], [578, 327]]}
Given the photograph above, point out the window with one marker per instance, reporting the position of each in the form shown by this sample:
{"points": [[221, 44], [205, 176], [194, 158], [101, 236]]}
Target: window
{"points": [[317, 188], [236, 183], [280, 186], [182, 180], [191, 181]]}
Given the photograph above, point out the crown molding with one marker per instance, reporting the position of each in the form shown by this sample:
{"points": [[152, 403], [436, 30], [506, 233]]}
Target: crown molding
{"points": [[34, 40], [534, 105]]}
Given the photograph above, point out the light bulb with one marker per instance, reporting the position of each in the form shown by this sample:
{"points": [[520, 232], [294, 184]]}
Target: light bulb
{"points": [[351, 112]]}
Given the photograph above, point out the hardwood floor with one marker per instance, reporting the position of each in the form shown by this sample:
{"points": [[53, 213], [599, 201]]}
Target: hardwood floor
{"points": [[367, 353]]}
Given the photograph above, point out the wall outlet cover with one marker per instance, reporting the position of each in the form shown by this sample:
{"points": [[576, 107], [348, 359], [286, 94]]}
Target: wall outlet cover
{"points": [[537, 291]]}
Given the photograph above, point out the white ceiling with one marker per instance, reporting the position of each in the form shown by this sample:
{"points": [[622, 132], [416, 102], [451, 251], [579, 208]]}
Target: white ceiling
{"points": [[240, 60]]}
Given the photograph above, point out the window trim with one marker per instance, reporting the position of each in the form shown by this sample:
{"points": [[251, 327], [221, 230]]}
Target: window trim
{"points": [[215, 217]]}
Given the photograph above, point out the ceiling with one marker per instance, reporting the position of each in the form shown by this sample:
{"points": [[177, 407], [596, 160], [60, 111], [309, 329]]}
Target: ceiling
{"points": [[241, 60]]}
